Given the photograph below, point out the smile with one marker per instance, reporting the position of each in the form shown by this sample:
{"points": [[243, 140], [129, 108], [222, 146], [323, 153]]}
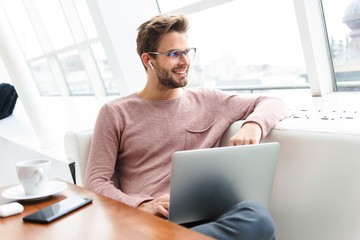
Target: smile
{"points": [[180, 72]]}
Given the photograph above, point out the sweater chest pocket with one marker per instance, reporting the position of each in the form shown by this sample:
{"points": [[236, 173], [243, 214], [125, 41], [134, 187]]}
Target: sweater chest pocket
{"points": [[199, 135]]}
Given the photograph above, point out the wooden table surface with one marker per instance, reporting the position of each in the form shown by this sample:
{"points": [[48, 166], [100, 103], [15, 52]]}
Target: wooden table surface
{"points": [[104, 218]]}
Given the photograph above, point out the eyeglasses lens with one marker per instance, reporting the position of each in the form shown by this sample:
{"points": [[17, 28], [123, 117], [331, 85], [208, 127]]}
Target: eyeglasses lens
{"points": [[177, 54], [191, 54]]}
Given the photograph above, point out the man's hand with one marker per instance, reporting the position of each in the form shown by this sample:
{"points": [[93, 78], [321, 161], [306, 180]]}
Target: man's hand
{"points": [[250, 133], [158, 206]]}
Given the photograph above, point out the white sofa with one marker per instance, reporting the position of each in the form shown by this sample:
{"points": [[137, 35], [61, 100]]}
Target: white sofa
{"points": [[316, 192]]}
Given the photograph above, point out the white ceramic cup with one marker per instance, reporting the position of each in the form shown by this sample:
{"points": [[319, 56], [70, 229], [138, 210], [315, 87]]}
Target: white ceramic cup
{"points": [[34, 176]]}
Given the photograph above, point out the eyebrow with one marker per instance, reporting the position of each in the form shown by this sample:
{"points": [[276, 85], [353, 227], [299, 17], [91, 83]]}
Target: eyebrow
{"points": [[176, 49]]}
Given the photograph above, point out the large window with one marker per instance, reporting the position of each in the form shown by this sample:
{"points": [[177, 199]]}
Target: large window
{"points": [[241, 45], [60, 43], [342, 18], [74, 71], [245, 45], [44, 78]]}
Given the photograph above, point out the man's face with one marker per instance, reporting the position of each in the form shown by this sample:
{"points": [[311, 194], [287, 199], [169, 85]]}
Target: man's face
{"points": [[172, 74]]}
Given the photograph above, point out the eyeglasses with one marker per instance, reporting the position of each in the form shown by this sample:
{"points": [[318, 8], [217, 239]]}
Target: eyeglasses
{"points": [[176, 55]]}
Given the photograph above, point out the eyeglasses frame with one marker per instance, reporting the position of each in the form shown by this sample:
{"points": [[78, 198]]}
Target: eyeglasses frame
{"points": [[185, 52]]}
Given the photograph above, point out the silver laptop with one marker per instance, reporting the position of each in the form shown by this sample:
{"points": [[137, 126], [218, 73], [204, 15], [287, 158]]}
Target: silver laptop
{"points": [[205, 183]]}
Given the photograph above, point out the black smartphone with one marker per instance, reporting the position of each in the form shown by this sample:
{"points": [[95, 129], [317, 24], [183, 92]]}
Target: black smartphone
{"points": [[57, 210]]}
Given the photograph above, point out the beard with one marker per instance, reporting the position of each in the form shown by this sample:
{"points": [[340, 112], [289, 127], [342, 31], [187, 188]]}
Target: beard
{"points": [[166, 78]]}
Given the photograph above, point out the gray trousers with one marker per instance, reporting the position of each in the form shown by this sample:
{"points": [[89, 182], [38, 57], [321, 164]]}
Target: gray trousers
{"points": [[244, 221]]}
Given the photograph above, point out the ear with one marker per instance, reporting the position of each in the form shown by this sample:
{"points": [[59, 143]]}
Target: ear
{"points": [[146, 59]]}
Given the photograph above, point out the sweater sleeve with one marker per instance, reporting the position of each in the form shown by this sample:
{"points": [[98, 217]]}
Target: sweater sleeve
{"points": [[268, 111], [102, 159], [265, 111]]}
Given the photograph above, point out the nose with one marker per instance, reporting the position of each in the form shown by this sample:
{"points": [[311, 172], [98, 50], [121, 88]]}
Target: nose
{"points": [[184, 60]]}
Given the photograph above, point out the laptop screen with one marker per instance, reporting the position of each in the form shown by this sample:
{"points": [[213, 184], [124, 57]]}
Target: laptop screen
{"points": [[207, 182]]}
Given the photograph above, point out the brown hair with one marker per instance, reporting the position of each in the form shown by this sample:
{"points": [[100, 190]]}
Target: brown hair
{"points": [[150, 32]]}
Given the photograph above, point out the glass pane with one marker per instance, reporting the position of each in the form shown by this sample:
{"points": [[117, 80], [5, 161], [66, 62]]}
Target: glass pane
{"points": [[55, 23], [4, 76], [75, 74], [342, 19], [247, 46], [44, 79], [109, 82], [86, 19], [170, 5], [23, 29]]}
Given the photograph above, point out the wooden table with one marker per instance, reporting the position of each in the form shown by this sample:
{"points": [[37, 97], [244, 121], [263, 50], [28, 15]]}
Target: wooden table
{"points": [[104, 219]]}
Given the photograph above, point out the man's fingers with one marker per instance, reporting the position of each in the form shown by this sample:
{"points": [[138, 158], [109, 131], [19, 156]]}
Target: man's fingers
{"points": [[242, 140], [158, 206], [162, 210], [250, 133]]}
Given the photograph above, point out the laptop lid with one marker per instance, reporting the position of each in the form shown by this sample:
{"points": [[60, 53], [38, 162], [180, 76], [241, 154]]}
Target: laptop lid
{"points": [[205, 183]]}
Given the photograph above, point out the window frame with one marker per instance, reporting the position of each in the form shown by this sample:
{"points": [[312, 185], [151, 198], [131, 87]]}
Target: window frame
{"points": [[81, 43], [315, 46]]}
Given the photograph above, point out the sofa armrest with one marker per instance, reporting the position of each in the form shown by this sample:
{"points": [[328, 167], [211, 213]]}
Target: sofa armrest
{"points": [[77, 147]]}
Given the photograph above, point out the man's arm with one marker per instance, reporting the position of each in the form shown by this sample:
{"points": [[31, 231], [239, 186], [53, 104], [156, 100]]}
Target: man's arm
{"points": [[261, 114], [102, 160]]}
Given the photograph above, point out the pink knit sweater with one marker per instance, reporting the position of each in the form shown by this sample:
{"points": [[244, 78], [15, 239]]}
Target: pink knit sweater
{"points": [[135, 138]]}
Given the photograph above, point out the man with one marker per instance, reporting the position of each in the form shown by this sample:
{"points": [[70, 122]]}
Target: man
{"points": [[135, 135]]}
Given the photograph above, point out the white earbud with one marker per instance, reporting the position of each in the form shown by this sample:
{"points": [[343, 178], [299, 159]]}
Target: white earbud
{"points": [[150, 65]]}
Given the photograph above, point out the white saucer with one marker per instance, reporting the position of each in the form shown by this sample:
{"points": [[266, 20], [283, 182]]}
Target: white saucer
{"points": [[17, 192]]}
